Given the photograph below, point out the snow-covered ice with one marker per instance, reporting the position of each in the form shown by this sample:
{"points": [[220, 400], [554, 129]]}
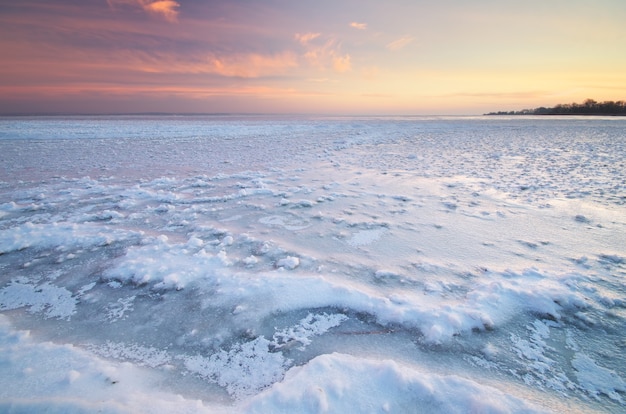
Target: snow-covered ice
{"points": [[276, 264]]}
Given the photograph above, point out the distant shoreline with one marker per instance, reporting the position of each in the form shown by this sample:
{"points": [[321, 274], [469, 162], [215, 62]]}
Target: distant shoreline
{"points": [[587, 108], [519, 113]]}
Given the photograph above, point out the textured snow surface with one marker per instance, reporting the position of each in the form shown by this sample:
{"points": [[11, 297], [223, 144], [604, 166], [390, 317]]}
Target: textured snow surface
{"points": [[250, 264]]}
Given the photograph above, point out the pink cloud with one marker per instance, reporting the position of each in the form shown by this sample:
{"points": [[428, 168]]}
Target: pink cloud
{"points": [[360, 26], [167, 9], [342, 63], [306, 38], [252, 65], [324, 54], [240, 65]]}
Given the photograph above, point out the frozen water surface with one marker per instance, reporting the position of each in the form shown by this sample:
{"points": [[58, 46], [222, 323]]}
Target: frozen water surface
{"points": [[274, 264]]}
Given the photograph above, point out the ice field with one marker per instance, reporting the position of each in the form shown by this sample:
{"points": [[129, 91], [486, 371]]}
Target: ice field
{"points": [[261, 264]]}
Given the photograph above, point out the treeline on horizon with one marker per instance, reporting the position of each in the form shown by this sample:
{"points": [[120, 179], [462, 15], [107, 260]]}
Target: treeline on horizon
{"points": [[589, 107]]}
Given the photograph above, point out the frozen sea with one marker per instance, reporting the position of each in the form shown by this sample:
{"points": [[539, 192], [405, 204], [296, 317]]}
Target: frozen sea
{"points": [[256, 264]]}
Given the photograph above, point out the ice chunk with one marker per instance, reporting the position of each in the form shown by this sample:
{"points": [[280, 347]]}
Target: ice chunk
{"points": [[289, 262]]}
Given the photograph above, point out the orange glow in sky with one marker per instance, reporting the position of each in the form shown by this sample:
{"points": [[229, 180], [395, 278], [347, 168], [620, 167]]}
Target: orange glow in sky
{"points": [[330, 57]]}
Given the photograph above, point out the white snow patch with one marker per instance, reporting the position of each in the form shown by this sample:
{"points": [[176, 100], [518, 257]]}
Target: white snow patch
{"points": [[365, 237], [596, 380], [64, 235], [53, 301], [312, 325], [243, 370], [250, 260], [165, 265], [141, 355], [292, 223], [119, 309], [249, 367]]}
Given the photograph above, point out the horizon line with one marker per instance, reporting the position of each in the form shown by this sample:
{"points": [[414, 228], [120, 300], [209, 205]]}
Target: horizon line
{"points": [[162, 113]]}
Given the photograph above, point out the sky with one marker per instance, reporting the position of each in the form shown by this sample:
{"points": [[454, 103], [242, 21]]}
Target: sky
{"points": [[345, 57]]}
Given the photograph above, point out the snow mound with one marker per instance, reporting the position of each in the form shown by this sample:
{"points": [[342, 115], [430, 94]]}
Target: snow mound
{"points": [[340, 383], [45, 377]]}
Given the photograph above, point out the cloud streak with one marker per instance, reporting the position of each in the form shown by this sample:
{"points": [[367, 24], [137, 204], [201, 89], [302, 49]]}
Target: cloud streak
{"points": [[323, 53], [360, 26], [400, 43], [166, 9], [306, 38], [252, 65]]}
